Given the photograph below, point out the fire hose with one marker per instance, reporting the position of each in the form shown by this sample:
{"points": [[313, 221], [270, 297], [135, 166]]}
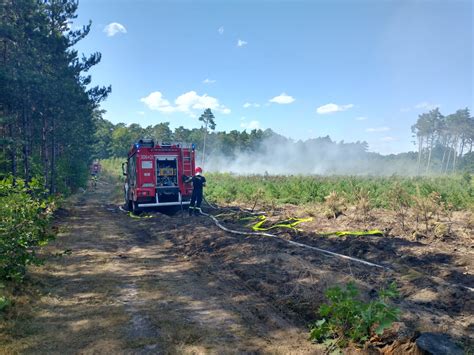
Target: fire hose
{"points": [[301, 245], [327, 252]]}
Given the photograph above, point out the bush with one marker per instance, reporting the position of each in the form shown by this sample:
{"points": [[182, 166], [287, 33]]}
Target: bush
{"points": [[4, 303], [25, 215], [334, 205], [347, 319]]}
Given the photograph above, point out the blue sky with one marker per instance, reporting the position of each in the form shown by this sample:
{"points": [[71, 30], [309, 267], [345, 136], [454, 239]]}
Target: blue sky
{"points": [[354, 70]]}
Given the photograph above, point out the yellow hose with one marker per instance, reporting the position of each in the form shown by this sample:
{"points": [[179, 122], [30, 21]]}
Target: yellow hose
{"points": [[130, 214], [291, 223]]}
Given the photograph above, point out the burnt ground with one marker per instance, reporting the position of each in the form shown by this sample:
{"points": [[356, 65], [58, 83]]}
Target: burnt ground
{"points": [[178, 284]]}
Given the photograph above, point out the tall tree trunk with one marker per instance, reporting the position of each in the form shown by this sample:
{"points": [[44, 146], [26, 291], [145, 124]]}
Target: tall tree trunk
{"points": [[204, 146], [448, 159], [429, 155], [463, 142], [420, 148], [26, 146], [455, 153], [13, 151], [52, 185], [44, 150], [442, 160]]}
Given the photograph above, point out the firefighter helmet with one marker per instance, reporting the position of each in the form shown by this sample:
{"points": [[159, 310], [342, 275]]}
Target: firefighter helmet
{"points": [[198, 170]]}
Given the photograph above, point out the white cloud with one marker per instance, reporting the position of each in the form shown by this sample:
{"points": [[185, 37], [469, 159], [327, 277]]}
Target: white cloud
{"points": [[191, 100], [378, 129], [156, 101], [186, 103], [113, 28], [141, 113], [361, 118], [250, 125], [331, 108], [388, 139], [282, 99], [220, 30], [250, 104], [208, 81], [241, 43], [426, 106]]}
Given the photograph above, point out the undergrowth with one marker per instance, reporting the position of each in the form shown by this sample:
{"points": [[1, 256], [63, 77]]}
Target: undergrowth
{"points": [[25, 215], [455, 190], [345, 319]]}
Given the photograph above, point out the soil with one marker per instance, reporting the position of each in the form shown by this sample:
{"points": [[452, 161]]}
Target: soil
{"points": [[177, 284]]}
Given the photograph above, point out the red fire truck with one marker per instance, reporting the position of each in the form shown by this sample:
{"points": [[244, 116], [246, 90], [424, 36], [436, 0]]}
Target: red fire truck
{"points": [[156, 173]]}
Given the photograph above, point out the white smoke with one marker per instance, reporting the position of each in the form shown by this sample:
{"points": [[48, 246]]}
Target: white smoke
{"points": [[277, 156]]}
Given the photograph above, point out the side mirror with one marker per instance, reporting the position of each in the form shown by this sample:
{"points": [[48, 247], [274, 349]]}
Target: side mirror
{"points": [[124, 168]]}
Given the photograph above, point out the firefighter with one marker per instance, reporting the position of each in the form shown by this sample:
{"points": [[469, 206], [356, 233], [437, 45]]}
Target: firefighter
{"points": [[95, 168], [199, 182]]}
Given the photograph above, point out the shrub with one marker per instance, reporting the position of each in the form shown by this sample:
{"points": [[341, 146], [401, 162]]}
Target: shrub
{"points": [[25, 214], [364, 204], [4, 303], [426, 207], [335, 204], [347, 319], [399, 201]]}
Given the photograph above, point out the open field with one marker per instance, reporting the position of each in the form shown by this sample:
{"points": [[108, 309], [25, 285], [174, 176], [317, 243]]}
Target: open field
{"points": [[456, 190]]}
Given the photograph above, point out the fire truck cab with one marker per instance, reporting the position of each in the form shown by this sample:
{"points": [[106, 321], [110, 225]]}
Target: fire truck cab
{"points": [[155, 174]]}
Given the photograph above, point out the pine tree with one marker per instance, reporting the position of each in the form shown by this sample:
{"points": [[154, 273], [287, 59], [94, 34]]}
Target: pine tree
{"points": [[208, 118]]}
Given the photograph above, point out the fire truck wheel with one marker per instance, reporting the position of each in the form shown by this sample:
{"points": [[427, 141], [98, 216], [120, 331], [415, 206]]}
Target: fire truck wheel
{"points": [[135, 208]]}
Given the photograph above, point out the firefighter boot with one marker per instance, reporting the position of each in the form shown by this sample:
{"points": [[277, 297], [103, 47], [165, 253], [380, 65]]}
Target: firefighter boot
{"points": [[197, 211], [190, 210]]}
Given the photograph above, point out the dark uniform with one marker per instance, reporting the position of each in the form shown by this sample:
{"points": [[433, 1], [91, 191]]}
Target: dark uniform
{"points": [[199, 182]]}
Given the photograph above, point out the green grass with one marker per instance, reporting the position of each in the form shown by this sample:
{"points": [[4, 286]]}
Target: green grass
{"points": [[113, 166], [456, 190]]}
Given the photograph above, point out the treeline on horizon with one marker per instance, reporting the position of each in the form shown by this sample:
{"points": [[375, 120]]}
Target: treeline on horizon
{"points": [[444, 140], [47, 105], [445, 144]]}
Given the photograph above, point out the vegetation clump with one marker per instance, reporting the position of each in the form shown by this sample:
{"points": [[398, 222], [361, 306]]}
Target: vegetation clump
{"points": [[335, 204], [346, 319], [364, 204], [25, 215]]}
